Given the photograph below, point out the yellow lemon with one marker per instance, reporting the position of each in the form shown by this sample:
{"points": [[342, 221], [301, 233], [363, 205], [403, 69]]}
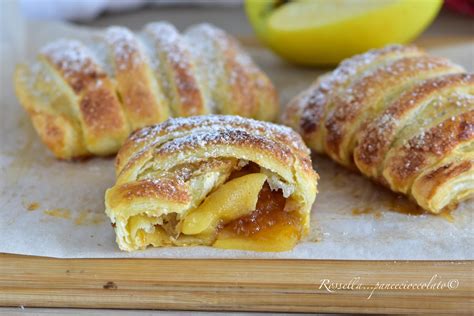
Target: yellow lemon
{"points": [[323, 32]]}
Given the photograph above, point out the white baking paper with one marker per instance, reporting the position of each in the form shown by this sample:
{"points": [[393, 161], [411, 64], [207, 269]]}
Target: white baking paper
{"points": [[56, 209]]}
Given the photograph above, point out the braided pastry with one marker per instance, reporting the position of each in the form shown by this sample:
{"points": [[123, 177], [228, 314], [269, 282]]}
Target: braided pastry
{"points": [[86, 99], [399, 116], [217, 180]]}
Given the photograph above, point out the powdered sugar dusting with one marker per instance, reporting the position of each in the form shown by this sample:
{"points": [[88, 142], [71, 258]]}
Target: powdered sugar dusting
{"points": [[176, 52], [383, 124], [268, 130], [213, 138], [70, 56], [76, 62], [187, 68], [205, 40], [461, 100], [445, 135], [164, 188], [436, 93], [393, 112], [314, 102], [362, 98], [400, 71], [170, 41], [207, 154], [213, 135], [125, 47]]}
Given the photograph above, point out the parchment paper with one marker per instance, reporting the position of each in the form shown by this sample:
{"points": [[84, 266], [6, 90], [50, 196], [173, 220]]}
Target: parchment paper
{"points": [[53, 208]]}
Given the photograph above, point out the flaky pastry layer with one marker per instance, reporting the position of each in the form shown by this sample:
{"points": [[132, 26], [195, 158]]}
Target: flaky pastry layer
{"points": [[85, 98], [218, 180], [400, 117]]}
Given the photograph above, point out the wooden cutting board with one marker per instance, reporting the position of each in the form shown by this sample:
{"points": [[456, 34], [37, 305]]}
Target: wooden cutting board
{"points": [[239, 285]]}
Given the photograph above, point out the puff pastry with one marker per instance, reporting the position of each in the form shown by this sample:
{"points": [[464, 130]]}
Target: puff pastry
{"points": [[217, 180], [400, 117], [85, 98]]}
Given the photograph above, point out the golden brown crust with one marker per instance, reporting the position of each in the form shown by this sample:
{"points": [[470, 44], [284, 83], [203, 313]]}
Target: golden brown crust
{"points": [[74, 62], [178, 67], [233, 83], [141, 142], [243, 84], [394, 118], [445, 185], [100, 114], [163, 188], [141, 96], [52, 131], [122, 82], [240, 92], [200, 158], [442, 174], [100, 111], [307, 111], [439, 141], [358, 100], [227, 137], [58, 131], [376, 139]]}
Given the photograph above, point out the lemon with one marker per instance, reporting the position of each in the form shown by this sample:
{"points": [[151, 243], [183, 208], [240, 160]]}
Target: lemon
{"points": [[323, 32]]}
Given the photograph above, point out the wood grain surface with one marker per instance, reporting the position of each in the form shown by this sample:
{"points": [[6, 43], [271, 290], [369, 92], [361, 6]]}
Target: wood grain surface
{"points": [[238, 285]]}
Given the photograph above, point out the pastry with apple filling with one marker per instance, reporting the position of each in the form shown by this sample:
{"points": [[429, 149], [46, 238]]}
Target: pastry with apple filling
{"points": [[221, 181]]}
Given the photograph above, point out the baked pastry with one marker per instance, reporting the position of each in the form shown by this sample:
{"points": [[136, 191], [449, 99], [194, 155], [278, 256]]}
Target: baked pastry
{"points": [[218, 180], [86, 98], [399, 116]]}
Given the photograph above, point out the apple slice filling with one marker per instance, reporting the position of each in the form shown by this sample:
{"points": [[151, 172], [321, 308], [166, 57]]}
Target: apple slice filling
{"points": [[245, 213]]}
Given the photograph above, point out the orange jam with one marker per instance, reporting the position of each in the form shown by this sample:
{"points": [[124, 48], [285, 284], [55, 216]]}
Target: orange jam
{"points": [[268, 213]]}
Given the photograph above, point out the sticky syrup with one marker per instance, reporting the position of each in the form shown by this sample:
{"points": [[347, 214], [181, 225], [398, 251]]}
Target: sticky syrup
{"points": [[33, 206], [268, 213]]}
